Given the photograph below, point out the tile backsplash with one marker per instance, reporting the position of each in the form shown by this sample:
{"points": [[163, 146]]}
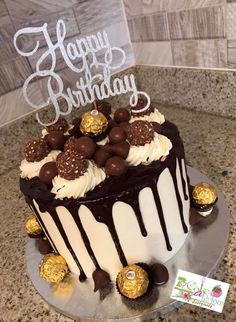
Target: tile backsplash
{"points": [[193, 33], [82, 18]]}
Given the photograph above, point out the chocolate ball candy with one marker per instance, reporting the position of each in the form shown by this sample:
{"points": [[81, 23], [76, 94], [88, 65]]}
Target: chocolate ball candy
{"points": [[121, 115], [116, 135], [104, 107], [71, 165], [56, 140], [44, 246], [36, 150], [121, 149], [86, 147], [60, 125], [140, 133], [33, 228], [159, 274], [107, 147], [124, 125], [111, 124], [115, 166], [53, 268], [132, 281], [100, 157], [93, 123], [48, 172]]}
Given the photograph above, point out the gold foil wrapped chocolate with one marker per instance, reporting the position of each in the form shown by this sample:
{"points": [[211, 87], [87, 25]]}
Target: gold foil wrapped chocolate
{"points": [[53, 268], [32, 227], [132, 281], [93, 123], [204, 194]]}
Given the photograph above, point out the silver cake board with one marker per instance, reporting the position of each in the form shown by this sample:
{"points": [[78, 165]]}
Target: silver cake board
{"points": [[201, 254]]}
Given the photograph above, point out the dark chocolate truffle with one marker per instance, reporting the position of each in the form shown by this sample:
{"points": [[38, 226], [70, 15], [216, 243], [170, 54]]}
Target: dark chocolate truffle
{"points": [[48, 172], [121, 149], [60, 125], [71, 144], [159, 274], [86, 146], [36, 150], [104, 107], [44, 246], [75, 130], [101, 279], [56, 140], [142, 102], [140, 133], [71, 165], [101, 156], [116, 135], [121, 115], [115, 166]]}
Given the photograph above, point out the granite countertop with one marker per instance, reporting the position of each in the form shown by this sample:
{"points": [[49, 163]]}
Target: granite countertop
{"points": [[210, 146]]}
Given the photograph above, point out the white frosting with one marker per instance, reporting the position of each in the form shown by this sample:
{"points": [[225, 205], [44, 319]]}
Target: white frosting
{"points": [[155, 116], [103, 142], [146, 154], [31, 169], [78, 187]]}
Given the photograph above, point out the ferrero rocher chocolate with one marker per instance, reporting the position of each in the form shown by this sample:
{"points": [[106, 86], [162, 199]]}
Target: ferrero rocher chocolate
{"points": [[93, 123], [132, 281], [32, 227], [53, 268], [204, 194]]}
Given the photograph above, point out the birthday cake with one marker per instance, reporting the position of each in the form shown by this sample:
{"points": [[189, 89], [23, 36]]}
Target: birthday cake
{"points": [[110, 190]]}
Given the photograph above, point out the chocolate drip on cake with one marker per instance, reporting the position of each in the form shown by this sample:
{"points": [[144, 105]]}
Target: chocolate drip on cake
{"points": [[160, 214], [32, 206], [75, 215], [172, 169], [105, 216], [124, 188], [182, 179]]}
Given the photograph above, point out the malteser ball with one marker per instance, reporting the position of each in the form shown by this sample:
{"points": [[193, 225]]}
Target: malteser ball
{"points": [[204, 194], [124, 125], [93, 123], [116, 135], [101, 156], [85, 146], [56, 140], [53, 268], [33, 228], [132, 281], [115, 166], [121, 115], [121, 149], [44, 246], [48, 172]]}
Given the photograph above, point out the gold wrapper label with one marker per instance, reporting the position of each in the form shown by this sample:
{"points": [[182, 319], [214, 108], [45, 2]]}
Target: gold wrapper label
{"points": [[32, 226], [204, 194], [93, 123], [53, 268], [132, 281]]}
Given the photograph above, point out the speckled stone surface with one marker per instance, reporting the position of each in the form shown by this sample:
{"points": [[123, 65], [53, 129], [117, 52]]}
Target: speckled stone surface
{"points": [[212, 91], [210, 145]]}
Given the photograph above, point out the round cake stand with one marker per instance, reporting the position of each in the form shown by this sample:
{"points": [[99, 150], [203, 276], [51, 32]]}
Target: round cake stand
{"points": [[201, 254]]}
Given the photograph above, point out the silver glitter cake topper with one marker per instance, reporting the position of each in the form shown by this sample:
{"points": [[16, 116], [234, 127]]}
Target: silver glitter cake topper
{"points": [[88, 87]]}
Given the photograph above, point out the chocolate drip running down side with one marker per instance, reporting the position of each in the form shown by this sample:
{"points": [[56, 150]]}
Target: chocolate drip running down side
{"points": [[125, 188]]}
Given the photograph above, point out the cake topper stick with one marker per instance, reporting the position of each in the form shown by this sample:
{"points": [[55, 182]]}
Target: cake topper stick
{"points": [[95, 105]]}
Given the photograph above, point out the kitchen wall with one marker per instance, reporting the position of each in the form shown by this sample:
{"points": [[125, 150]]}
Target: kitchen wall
{"points": [[195, 33], [82, 17]]}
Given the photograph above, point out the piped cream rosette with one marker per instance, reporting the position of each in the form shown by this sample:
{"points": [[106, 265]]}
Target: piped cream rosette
{"points": [[31, 169], [77, 188], [157, 149]]}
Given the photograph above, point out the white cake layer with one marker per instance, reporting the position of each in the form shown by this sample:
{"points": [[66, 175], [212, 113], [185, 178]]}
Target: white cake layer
{"points": [[136, 247]]}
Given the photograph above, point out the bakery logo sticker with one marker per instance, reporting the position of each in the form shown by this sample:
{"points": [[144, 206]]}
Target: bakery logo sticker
{"points": [[200, 291], [91, 57]]}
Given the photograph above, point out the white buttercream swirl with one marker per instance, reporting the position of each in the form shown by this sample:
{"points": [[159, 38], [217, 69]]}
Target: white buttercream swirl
{"points": [[154, 116], [146, 154], [31, 169], [78, 187], [103, 141]]}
